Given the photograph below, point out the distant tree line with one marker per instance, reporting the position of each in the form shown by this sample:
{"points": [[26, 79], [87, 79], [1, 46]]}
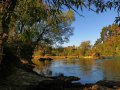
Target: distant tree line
{"points": [[82, 50]]}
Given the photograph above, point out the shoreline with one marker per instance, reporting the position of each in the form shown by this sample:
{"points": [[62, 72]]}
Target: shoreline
{"points": [[23, 79], [72, 57]]}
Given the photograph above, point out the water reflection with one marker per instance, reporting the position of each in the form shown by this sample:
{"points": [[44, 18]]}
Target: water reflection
{"points": [[111, 69], [43, 68], [90, 71]]}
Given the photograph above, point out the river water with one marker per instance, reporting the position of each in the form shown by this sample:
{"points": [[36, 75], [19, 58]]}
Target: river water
{"points": [[89, 71]]}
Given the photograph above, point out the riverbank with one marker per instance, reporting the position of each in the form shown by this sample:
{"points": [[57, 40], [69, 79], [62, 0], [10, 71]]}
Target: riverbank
{"points": [[24, 79], [55, 57], [64, 57], [20, 76], [70, 57]]}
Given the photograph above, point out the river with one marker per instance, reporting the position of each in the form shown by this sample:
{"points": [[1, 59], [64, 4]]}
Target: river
{"points": [[89, 71]]}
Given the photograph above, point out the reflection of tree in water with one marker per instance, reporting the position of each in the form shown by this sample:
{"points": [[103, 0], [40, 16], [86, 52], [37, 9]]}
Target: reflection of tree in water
{"points": [[70, 62], [111, 69], [86, 66], [43, 68]]}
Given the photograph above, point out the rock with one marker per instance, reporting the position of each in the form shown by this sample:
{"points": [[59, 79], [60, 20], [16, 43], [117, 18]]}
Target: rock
{"points": [[86, 88], [77, 84], [43, 59], [59, 85], [68, 78], [118, 88], [109, 84], [95, 87]]}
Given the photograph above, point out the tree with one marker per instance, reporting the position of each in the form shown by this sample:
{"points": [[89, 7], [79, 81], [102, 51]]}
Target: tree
{"points": [[31, 31], [6, 8], [108, 44], [98, 41], [84, 47]]}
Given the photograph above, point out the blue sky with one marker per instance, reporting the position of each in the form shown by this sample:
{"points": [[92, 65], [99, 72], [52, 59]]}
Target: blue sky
{"points": [[89, 26]]}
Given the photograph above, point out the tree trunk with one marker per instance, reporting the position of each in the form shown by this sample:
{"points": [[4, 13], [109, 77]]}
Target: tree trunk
{"points": [[5, 11], [1, 47]]}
